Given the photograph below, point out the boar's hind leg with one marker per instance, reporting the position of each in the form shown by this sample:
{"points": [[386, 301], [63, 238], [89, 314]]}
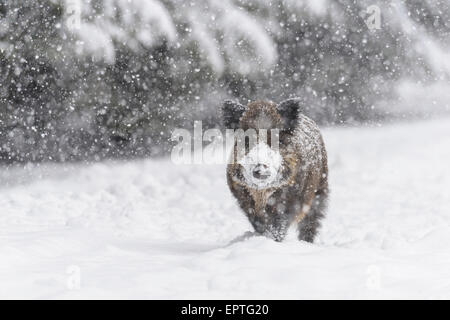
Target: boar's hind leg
{"points": [[308, 226]]}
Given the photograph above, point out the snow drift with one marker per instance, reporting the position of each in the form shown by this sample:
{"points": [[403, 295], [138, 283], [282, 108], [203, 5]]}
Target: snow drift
{"points": [[151, 229]]}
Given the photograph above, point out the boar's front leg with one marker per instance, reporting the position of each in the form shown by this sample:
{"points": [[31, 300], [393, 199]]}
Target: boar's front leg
{"points": [[308, 226], [277, 228], [270, 224]]}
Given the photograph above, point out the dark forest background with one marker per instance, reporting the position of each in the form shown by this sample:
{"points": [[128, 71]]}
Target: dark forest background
{"points": [[117, 79]]}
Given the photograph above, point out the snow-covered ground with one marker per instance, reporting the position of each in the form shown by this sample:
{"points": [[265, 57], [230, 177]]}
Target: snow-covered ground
{"points": [[152, 229]]}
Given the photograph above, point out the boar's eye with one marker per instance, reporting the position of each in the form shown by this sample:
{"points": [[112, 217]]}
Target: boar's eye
{"points": [[284, 136], [247, 145]]}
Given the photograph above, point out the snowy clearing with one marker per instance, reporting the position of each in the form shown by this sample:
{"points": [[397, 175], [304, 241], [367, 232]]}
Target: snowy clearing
{"points": [[151, 229]]}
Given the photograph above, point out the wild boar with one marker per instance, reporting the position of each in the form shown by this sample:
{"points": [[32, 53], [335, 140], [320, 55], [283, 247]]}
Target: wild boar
{"points": [[277, 187]]}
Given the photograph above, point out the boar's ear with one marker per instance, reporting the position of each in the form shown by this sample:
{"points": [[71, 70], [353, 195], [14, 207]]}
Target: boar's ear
{"points": [[232, 113], [289, 111]]}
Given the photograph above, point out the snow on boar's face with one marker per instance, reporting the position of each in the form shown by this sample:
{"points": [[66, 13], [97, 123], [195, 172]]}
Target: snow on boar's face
{"points": [[263, 157]]}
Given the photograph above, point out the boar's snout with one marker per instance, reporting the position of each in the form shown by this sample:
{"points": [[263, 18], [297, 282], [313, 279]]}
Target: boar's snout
{"points": [[261, 171]]}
